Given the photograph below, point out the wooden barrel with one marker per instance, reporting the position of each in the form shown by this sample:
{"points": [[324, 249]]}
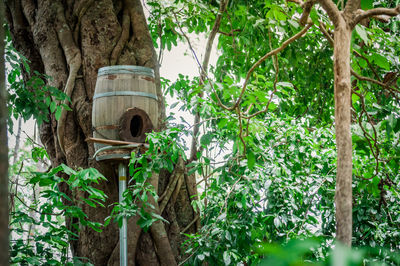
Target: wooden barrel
{"points": [[124, 104]]}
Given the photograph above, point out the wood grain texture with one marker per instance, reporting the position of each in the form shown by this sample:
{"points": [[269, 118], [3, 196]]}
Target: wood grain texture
{"points": [[108, 110]]}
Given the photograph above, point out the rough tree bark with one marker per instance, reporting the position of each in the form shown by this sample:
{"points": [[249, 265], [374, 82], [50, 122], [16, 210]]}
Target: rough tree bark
{"points": [[3, 151], [69, 41]]}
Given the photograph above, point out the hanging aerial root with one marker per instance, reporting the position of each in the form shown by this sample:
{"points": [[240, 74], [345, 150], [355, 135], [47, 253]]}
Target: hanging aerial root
{"points": [[80, 11], [74, 61], [177, 190], [126, 21], [176, 176], [158, 232], [196, 218]]}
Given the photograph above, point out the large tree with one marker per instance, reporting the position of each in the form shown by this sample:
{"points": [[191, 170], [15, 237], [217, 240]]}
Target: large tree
{"points": [[69, 41], [244, 104]]}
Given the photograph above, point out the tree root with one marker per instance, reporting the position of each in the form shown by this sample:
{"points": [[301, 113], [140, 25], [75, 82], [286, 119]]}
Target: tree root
{"points": [[133, 238], [159, 234], [80, 11], [172, 185], [177, 189], [193, 195], [126, 21], [74, 61], [190, 224]]}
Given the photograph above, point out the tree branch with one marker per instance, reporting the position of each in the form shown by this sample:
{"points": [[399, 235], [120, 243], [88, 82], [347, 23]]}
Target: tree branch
{"points": [[203, 75], [366, 78], [355, 74], [391, 12], [352, 6], [307, 7], [299, 2], [332, 10], [262, 59]]}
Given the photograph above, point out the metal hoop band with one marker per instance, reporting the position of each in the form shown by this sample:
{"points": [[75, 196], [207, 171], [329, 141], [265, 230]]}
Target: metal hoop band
{"points": [[125, 93]]}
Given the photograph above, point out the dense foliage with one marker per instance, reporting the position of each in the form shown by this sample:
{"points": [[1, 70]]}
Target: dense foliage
{"points": [[266, 168]]}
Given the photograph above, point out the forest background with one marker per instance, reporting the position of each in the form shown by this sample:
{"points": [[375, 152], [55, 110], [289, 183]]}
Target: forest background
{"points": [[301, 104]]}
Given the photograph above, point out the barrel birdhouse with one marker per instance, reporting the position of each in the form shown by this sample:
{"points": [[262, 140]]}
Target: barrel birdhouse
{"points": [[124, 104]]}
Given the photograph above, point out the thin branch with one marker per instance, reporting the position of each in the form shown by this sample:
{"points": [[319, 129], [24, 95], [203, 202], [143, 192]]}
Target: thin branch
{"points": [[307, 7], [276, 66], [34, 210], [359, 77], [368, 63], [367, 79], [231, 33], [262, 59], [17, 141], [368, 136], [186, 259], [203, 75], [299, 2], [391, 12], [326, 33], [241, 130]]}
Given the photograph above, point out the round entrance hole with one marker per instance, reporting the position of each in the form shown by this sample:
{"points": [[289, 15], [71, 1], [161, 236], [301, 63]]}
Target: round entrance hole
{"points": [[136, 126]]}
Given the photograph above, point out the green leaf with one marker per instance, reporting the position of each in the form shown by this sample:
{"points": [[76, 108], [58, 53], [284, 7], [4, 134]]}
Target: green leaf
{"points": [[89, 202], [381, 61], [53, 107], [206, 139], [272, 106], [251, 159], [58, 113], [145, 223], [277, 222], [362, 33], [227, 258], [367, 4]]}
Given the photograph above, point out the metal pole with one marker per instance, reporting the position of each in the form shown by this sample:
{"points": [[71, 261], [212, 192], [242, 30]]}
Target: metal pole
{"points": [[123, 231]]}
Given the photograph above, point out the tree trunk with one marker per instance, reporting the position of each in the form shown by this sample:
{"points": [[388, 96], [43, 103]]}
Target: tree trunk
{"points": [[3, 151], [343, 196], [70, 41]]}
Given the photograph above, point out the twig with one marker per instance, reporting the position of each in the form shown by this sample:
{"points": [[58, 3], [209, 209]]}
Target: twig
{"points": [[203, 75], [276, 66], [32, 209], [231, 33], [368, 63], [391, 12], [262, 59], [307, 7], [190, 224]]}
